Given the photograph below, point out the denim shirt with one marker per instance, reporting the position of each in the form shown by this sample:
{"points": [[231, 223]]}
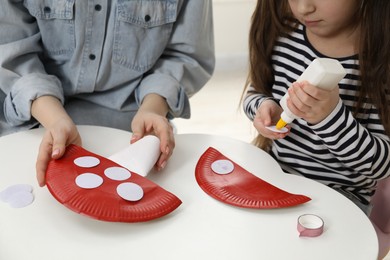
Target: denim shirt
{"points": [[111, 53]]}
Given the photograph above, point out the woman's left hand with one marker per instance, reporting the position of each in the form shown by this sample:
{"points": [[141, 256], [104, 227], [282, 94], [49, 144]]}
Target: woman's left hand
{"points": [[151, 120]]}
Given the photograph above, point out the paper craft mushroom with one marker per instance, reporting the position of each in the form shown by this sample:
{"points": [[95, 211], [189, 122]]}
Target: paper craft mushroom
{"points": [[92, 185]]}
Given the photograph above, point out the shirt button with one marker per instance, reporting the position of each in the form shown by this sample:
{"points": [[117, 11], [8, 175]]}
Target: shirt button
{"points": [[98, 7], [92, 56], [147, 18]]}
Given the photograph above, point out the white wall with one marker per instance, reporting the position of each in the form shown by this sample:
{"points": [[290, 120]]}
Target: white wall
{"points": [[231, 28]]}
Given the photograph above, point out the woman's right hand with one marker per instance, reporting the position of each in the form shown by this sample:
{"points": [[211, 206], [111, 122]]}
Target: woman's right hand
{"points": [[268, 114], [62, 133]]}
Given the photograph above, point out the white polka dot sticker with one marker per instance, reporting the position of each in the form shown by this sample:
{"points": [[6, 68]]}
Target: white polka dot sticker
{"points": [[87, 161], [117, 173], [89, 180], [18, 195], [21, 199], [7, 194], [222, 166], [273, 129], [130, 191]]}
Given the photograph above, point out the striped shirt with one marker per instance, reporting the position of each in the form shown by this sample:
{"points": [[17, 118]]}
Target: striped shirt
{"points": [[344, 152]]}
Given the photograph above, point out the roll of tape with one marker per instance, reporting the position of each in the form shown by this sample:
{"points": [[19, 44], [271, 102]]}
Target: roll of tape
{"points": [[310, 225]]}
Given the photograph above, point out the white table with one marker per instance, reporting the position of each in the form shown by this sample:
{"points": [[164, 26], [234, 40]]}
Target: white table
{"points": [[201, 228]]}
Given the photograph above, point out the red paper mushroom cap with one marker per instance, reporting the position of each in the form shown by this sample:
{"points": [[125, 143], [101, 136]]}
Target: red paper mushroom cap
{"points": [[103, 202], [240, 187]]}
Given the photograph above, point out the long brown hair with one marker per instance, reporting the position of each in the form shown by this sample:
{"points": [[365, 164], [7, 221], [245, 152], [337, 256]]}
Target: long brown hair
{"points": [[273, 18]]}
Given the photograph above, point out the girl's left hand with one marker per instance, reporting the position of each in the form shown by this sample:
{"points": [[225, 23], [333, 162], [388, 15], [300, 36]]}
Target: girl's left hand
{"points": [[311, 103], [267, 114]]}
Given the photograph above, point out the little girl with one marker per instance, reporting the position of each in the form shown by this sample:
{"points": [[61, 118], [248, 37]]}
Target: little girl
{"points": [[342, 138]]}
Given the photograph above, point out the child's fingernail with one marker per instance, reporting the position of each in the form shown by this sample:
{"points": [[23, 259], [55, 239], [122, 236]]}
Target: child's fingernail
{"points": [[167, 150]]}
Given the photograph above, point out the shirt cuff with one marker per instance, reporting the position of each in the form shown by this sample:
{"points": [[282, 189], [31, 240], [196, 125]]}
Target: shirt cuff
{"points": [[17, 104], [336, 119], [168, 88]]}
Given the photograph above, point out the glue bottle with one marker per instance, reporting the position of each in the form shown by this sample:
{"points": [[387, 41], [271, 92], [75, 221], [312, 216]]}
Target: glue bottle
{"points": [[324, 73]]}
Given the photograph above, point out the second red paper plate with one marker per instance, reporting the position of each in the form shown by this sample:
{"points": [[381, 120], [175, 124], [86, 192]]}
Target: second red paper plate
{"points": [[148, 201], [226, 181]]}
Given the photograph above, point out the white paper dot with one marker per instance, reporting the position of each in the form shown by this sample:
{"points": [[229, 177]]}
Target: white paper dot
{"points": [[89, 180], [273, 129], [9, 192], [117, 173], [222, 166], [87, 161], [18, 195], [130, 191], [21, 199]]}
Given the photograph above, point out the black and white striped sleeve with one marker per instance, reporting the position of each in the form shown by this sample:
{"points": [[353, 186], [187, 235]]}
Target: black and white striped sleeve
{"points": [[252, 102], [360, 147]]}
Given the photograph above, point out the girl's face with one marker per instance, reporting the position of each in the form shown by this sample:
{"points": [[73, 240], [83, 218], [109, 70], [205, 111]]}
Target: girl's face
{"points": [[326, 18]]}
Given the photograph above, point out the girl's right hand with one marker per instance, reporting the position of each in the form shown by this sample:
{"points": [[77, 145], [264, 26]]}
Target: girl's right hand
{"points": [[268, 114], [62, 133]]}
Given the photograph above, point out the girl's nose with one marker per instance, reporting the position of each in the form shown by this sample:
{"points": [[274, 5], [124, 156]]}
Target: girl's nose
{"points": [[305, 6]]}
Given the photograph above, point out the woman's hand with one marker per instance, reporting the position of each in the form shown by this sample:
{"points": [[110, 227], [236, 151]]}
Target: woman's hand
{"points": [[62, 133], [266, 115], [311, 103], [151, 120]]}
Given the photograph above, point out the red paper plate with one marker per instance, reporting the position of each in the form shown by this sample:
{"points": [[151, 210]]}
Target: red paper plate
{"points": [[240, 187], [103, 202]]}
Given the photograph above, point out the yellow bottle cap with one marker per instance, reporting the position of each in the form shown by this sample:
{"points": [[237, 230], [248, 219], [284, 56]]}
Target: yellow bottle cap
{"points": [[280, 124]]}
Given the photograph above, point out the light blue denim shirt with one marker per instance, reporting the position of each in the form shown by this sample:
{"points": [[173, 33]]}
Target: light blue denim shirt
{"points": [[110, 53]]}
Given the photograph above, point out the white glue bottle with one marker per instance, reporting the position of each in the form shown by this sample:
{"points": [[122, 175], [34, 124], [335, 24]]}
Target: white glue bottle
{"points": [[324, 73]]}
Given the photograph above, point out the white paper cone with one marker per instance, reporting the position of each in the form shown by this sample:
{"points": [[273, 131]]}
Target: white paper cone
{"points": [[139, 157]]}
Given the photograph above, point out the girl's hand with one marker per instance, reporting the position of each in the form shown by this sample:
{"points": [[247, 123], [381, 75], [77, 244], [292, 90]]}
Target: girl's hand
{"points": [[62, 133], [151, 120], [311, 103], [266, 115]]}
